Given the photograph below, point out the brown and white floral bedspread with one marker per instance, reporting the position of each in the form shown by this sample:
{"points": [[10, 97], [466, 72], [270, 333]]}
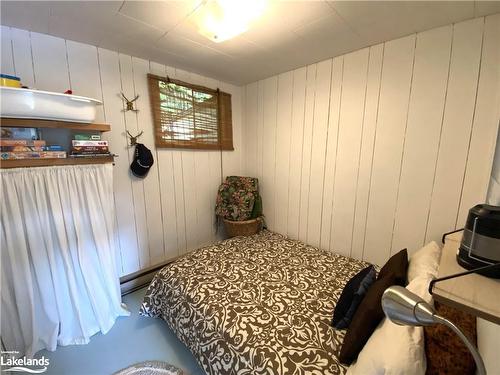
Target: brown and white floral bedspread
{"points": [[255, 305]]}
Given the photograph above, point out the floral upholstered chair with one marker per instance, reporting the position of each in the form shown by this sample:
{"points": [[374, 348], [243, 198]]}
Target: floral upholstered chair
{"points": [[238, 200]]}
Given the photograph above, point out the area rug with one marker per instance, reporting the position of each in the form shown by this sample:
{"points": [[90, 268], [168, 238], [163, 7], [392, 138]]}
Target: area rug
{"points": [[150, 368]]}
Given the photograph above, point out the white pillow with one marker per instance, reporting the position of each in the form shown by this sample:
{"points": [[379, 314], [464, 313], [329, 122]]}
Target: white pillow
{"points": [[424, 262], [393, 349]]}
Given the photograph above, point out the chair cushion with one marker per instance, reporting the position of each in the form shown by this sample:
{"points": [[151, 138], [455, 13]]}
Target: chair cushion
{"points": [[236, 198]]}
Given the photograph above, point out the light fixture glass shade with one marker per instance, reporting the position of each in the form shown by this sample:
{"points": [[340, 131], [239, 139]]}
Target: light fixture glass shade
{"points": [[220, 20]]}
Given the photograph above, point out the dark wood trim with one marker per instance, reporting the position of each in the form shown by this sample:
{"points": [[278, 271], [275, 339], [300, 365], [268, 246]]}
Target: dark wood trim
{"points": [[37, 123], [24, 163], [208, 90], [159, 143]]}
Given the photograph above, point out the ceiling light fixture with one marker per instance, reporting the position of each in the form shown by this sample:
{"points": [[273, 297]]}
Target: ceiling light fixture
{"points": [[220, 20]]}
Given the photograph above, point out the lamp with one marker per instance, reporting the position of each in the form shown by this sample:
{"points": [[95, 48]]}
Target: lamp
{"points": [[220, 20], [406, 308]]}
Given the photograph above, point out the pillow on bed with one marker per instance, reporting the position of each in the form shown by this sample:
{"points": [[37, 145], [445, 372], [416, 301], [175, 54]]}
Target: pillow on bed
{"points": [[351, 297], [425, 261], [393, 349], [365, 320], [396, 265]]}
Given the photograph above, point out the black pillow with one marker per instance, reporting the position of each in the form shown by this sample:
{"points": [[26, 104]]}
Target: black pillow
{"points": [[351, 297], [365, 320], [396, 265]]}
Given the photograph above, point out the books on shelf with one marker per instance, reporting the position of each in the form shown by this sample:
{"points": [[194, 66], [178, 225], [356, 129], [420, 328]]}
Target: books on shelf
{"points": [[104, 154], [87, 137], [33, 155], [77, 143], [24, 143], [53, 148], [20, 145], [89, 148], [21, 148]]}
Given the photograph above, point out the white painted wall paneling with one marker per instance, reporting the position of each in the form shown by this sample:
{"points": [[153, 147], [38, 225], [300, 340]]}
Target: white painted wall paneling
{"points": [[331, 152], [172, 210], [346, 150], [296, 140], [166, 177], [268, 180], [131, 125], [485, 123], [124, 208], [456, 128], [50, 63], [7, 62], [307, 151], [367, 148], [250, 129], [353, 99], [22, 55], [318, 151], [388, 145], [151, 185], [389, 142], [283, 134], [423, 133]]}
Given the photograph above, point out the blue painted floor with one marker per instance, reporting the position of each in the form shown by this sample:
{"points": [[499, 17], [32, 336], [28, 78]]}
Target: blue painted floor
{"points": [[132, 339]]}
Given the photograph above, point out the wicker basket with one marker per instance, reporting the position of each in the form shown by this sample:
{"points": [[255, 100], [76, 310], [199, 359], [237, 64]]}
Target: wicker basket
{"points": [[242, 228]]}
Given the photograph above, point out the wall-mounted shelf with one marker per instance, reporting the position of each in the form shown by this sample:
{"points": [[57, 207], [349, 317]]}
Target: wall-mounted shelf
{"points": [[53, 124], [475, 294], [35, 123], [23, 163]]}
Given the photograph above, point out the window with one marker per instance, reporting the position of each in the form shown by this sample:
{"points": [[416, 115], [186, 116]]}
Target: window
{"points": [[190, 116]]}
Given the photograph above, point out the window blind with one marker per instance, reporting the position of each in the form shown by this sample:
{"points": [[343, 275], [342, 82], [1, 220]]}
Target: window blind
{"points": [[190, 116]]}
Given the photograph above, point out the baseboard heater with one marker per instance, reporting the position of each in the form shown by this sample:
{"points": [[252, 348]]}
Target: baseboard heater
{"points": [[137, 280]]}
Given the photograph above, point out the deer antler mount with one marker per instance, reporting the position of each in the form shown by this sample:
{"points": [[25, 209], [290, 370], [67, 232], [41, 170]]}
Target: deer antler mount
{"points": [[130, 103], [133, 139]]}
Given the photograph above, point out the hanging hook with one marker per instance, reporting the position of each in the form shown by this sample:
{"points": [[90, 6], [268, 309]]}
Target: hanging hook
{"points": [[133, 139], [130, 103]]}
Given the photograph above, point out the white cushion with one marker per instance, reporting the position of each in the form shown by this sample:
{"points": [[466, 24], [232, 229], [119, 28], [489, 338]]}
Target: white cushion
{"points": [[424, 262], [394, 349]]}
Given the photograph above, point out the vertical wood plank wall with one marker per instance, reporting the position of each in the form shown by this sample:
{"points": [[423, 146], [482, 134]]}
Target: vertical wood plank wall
{"points": [[366, 153], [379, 149], [172, 210]]}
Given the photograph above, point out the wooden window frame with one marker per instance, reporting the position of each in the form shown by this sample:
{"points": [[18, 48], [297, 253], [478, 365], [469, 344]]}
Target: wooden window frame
{"points": [[224, 117]]}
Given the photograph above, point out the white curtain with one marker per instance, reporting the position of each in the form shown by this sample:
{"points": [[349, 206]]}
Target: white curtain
{"points": [[59, 282]]}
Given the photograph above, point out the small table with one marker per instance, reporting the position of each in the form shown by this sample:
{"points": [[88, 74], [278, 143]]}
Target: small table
{"points": [[475, 294]]}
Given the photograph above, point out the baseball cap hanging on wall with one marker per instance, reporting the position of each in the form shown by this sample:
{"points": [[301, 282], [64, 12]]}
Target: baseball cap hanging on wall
{"points": [[143, 161]]}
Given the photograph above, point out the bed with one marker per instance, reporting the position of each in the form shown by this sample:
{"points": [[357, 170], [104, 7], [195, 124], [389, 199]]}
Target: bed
{"points": [[255, 305]]}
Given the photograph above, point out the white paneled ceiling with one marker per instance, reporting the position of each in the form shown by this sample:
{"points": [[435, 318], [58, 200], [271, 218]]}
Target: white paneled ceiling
{"points": [[290, 33]]}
